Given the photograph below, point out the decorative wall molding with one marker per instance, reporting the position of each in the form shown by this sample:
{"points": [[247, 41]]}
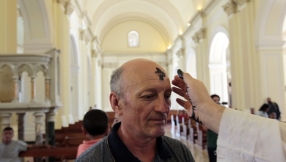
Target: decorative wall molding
{"points": [[86, 35], [67, 6], [96, 53], [230, 8], [233, 6], [128, 54], [199, 35], [179, 54], [240, 2]]}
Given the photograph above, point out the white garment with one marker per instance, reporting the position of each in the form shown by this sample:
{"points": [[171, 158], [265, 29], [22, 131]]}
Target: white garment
{"points": [[262, 114], [10, 153], [248, 138]]}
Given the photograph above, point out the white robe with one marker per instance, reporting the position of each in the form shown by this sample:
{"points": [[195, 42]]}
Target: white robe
{"points": [[246, 137]]}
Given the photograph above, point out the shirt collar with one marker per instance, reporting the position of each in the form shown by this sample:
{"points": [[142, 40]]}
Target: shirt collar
{"points": [[121, 153]]}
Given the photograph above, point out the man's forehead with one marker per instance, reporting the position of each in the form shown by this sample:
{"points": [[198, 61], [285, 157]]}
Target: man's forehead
{"points": [[139, 75], [8, 131], [148, 81]]}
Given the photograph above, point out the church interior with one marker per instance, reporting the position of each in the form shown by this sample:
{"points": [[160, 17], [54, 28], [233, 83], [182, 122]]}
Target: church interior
{"points": [[57, 56]]}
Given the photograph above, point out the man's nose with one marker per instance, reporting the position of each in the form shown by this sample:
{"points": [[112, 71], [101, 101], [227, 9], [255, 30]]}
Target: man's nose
{"points": [[162, 105]]}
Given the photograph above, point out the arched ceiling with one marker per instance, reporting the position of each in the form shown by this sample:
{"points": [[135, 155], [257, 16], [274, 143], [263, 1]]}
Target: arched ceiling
{"points": [[170, 17]]}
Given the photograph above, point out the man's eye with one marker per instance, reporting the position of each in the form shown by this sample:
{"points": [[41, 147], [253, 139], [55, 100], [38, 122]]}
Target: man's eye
{"points": [[167, 96], [148, 96]]}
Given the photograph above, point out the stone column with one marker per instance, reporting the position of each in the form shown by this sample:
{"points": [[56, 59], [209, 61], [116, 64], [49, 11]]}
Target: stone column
{"points": [[33, 89], [39, 124], [16, 92], [5, 119], [47, 88], [21, 125], [50, 129], [202, 56], [8, 26], [245, 67], [98, 77]]}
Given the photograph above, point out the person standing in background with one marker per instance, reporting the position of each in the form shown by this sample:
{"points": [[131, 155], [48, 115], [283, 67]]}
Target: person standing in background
{"points": [[263, 111], [212, 136], [273, 107]]}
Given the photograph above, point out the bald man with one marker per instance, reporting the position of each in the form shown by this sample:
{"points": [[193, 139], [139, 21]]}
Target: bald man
{"points": [[140, 97]]}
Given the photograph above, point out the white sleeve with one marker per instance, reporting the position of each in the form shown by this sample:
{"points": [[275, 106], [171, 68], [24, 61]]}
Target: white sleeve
{"points": [[246, 137], [22, 145]]}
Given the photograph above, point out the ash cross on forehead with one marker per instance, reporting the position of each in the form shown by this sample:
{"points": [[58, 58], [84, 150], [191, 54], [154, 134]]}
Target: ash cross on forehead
{"points": [[160, 73]]}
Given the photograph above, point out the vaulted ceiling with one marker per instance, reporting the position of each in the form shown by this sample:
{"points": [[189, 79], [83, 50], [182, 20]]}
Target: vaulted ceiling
{"points": [[168, 16]]}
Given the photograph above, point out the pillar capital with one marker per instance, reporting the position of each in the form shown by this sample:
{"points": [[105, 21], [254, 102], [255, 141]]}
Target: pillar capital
{"points": [[199, 35], [67, 6], [233, 6], [230, 8], [51, 116]]}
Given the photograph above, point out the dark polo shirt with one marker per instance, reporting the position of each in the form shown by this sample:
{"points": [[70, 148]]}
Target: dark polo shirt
{"points": [[112, 149]]}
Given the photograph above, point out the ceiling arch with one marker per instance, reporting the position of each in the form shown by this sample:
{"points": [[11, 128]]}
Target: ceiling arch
{"points": [[139, 17], [168, 15], [103, 16]]}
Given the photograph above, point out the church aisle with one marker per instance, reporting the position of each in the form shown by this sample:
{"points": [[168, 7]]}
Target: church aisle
{"points": [[197, 152]]}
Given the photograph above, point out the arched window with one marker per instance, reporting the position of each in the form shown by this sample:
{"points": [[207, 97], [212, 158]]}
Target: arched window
{"points": [[133, 38]]}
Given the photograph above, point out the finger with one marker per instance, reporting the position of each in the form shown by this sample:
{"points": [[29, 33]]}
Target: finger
{"points": [[186, 104], [180, 92], [179, 82]]}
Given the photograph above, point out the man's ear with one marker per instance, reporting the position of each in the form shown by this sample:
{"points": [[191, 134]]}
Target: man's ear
{"points": [[83, 130], [115, 103]]}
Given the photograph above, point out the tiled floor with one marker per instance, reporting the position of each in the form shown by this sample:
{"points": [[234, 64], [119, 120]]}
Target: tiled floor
{"points": [[197, 152]]}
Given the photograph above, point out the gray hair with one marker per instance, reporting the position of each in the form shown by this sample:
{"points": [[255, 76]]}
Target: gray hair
{"points": [[116, 82]]}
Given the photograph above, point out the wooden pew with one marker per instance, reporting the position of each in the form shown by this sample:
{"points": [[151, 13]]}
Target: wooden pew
{"points": [[171, 112], [178, 126], [63, 153], [173, 124], [61, 137], [202, 136], [185, 129], [74, 141], [193, 135]]}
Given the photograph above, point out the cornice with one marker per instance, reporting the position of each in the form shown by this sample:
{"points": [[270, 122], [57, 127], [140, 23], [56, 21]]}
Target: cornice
{"points": [[240, 2]]}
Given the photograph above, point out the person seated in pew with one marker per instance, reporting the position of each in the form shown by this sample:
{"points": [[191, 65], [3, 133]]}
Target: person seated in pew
{"points": [[241, 136], [9, 149], [272, 115], [95, 127]]}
